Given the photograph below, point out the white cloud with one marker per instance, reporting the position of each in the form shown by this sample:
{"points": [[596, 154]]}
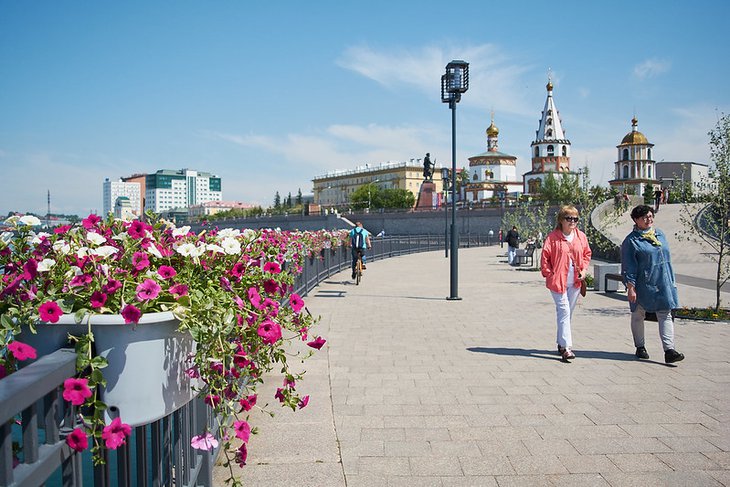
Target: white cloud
{"points": [[496, 81], [651, 68]]}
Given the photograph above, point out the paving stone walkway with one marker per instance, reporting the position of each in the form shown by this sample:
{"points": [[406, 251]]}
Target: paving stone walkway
{"points": [[414, 390]]}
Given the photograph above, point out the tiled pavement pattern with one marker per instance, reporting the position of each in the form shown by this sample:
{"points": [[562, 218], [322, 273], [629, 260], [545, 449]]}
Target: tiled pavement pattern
{"points": [[414, 390]]}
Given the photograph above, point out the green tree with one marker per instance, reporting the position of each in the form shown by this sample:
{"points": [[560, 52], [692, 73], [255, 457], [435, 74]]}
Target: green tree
{"points": [[277, 201], [391, 198], [708, 224], [299, 197], [559, 190]]}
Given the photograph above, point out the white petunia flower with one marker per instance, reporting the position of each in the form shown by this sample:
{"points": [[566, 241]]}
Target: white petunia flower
{"points": [[82, 252], [38, 238], [152, 249], [181, 232], [62, 247], [12, 220], [248, 234], [187, 249], [105, 251], [95, 238], [215, 248], [228, 232], [231, 246], [45, 265], [29, 220]]}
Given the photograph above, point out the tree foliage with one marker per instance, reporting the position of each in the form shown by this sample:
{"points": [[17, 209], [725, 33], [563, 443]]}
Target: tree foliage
{"points": [[709, 225], [370, 195]]}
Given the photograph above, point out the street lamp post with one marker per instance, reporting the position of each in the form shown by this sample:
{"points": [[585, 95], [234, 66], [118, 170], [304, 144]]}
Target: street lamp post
{"points": [[454, 82], [445, 181]]}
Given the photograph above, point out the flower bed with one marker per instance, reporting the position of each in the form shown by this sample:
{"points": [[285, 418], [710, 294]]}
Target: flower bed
{"points": [[230, 290], [703, 314]]}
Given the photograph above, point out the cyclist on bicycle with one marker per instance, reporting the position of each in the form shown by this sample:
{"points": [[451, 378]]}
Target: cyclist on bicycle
{"points": [[359, 241]]}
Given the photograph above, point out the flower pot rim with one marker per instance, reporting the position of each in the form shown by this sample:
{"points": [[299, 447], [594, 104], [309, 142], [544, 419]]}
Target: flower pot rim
{"points": [[115, 319]]}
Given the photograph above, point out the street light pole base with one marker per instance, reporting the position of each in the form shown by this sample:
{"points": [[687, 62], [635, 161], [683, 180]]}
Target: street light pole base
{"points": [[453, 298]]}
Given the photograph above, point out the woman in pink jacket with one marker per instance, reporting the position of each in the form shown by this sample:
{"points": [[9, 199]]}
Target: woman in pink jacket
{"points": [[564, 262]]}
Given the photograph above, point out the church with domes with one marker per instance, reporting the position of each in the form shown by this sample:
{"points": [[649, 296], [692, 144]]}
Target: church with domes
{"points": [[634, 168], [492, 172]]}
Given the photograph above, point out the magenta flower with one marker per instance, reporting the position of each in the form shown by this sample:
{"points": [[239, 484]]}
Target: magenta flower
{"points": [[76, 391], [3, 372], [62, 229], [243, 430], [149, 289], [140, 261], [241, 455], [269, 331], [98, 299], [248, 402], [317, 343], [178, 290], [50, 312], [30, 269], [21, 351], [166, 272], [131, 314], [90, 221], [296, 302], [254, 297], [238, 269], [225, 284], [80, 281], [204, 442], [272, 267], [303, 402], [136, 230], [77, 440], [271, 286], [112, 286], [280, 394], [212, 400], [115, 435]]}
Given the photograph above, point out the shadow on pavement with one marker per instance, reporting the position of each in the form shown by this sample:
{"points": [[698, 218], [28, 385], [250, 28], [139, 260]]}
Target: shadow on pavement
{"points": [[552, 354]]}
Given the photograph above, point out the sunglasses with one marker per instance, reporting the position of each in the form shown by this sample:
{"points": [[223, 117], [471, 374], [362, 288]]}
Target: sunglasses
{"points": [[573, 219]]}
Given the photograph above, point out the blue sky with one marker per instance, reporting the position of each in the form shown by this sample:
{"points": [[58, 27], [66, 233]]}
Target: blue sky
{"points": [[268, 95]]}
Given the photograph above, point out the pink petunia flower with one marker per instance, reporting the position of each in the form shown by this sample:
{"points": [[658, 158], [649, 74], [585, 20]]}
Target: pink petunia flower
{"points": [[140, 261], [50, 312], [269, 331], [238, 269], [166, 272], [112, 286], [272, 267], [149, 289], [131, 314], [115, 435], [97, 299], [62, 229], [77, 440], [317, 343], [280, 394], [225, 284], [136, 230], [30, 269], [21, 351], [271, 286], [241, 455], [178, 290], [254, 297], [81, 280], [90, 221], [212, 400], [204, 442], [303, 402], [3, 372], [296, 302], [243, 430], [76, 391], [248, 402]]}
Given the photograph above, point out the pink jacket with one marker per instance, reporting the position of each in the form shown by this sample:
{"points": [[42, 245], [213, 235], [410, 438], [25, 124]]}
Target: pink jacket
{"points": [[555, 259]]}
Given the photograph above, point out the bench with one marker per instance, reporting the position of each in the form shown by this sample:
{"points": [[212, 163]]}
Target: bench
{"points": [[523, 255], [612, 277]]}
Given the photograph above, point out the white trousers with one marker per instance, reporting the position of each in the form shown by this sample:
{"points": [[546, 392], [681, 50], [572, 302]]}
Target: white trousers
{"points": [[511, 251], [666, 327], [564, 306]]}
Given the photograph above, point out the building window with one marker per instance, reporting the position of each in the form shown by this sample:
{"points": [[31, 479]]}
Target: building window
{"points": [[565, 151], [550, 150], [476, 177], [537, 152], [549, 121], [549, 133], [649, 153], [648, 172], [625, 157], [625, 172]]}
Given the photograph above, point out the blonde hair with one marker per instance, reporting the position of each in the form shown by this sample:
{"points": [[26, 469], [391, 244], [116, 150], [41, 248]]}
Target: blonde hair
{"points": [[565, 210]]}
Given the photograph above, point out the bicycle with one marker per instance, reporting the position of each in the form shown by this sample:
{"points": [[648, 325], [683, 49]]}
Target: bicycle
{"points": [[358, 268]]}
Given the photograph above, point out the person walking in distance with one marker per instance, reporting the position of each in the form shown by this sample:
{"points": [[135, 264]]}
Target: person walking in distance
{"points": [[359, 242], [646, 266], [564, 263], [513, 242]]}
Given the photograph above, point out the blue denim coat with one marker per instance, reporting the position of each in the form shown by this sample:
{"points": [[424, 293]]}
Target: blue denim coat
{"points": [[649, 268]]}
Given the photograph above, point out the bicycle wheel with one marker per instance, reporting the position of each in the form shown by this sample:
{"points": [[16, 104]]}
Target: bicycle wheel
{"points": [[358, 270]]}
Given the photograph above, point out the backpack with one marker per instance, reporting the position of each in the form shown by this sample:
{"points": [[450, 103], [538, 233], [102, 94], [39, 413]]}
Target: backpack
{"points": [[357, 241]]}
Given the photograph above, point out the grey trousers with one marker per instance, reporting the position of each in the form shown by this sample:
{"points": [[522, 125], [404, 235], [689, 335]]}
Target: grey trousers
{"points": [[666, 327]]}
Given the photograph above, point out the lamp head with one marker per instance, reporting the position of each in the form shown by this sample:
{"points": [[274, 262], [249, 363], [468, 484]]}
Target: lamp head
{"points": [[455, 81]]}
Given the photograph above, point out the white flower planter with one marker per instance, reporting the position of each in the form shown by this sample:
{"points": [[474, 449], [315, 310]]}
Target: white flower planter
{"points": [[145, 378]]}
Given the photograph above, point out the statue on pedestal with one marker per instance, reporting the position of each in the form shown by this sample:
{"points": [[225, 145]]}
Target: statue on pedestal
{"points": [[428, 167]]}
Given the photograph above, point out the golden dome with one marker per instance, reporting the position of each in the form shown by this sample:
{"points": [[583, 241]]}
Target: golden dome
{"points": [[492, 130], [549, 85], [634, 137]]}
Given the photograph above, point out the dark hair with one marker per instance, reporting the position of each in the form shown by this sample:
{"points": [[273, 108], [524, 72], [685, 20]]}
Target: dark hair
{"points": [[641, 210]]}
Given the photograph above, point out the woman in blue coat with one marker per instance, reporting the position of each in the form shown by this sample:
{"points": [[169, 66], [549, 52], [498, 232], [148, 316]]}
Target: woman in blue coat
{"points": [[647, 269]]}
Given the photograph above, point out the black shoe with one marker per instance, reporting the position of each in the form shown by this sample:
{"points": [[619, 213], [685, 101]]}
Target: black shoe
{"points": [[642, 353], [671, 356], [560, 350], [353, 275]]}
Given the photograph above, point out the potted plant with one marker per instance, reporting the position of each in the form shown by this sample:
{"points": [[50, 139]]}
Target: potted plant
{"points": [[214, 311]]}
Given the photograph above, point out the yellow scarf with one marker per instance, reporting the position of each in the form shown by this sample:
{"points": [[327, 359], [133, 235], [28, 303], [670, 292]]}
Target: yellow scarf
{"points": [[650, 236]]}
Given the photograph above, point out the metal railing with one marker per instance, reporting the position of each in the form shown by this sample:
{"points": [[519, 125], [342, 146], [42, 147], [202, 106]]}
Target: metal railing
{"points": [[156, 454]]}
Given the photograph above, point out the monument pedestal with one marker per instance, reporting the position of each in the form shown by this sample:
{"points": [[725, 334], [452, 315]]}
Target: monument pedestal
{"points": [[427, 196]]}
